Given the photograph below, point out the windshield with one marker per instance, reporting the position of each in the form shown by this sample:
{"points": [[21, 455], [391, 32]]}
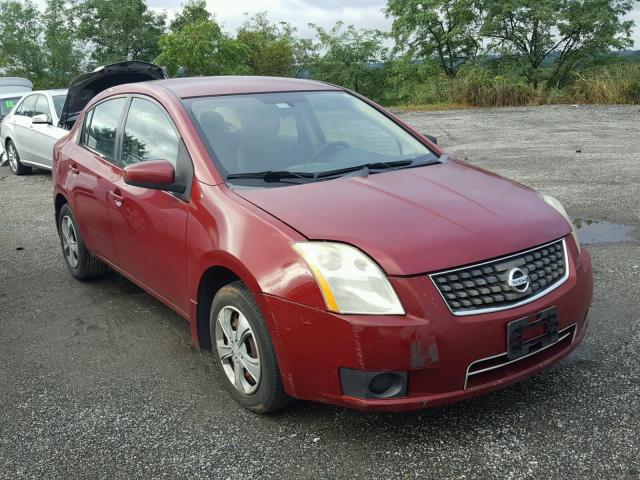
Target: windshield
{"points": [[6, 104], [308, 133], [58, 102]]}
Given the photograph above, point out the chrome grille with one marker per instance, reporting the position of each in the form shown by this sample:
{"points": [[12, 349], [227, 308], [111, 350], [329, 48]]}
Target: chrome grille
{"points": [[484, 287]]}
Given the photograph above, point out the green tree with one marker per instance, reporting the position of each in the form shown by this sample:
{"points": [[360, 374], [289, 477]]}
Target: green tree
{"points": [[346, 56], [20, 40], [62, 54], [39, 45], [271, 47], [118, 30], [533, 33], [201, 48], [589, 29], [194, 11], [448, 29]]}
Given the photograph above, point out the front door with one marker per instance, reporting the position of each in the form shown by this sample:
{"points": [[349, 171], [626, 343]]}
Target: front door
{"points": [[43, 136], [149, 226], [92, 176]]}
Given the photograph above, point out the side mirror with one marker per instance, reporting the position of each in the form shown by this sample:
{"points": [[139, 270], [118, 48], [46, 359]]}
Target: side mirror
{"points": [[154, 174], [41, 119], [433, 138]]}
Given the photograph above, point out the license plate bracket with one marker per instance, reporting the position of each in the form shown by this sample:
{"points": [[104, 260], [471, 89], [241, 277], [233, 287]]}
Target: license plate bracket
{"points": [[518, 342]]}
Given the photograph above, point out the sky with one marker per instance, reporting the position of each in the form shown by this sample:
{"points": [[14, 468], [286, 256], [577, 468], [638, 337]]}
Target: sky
{"points": [[361, 13]]}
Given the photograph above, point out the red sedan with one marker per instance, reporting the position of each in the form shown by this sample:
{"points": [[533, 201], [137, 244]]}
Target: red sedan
{"points": [[319, 246]]}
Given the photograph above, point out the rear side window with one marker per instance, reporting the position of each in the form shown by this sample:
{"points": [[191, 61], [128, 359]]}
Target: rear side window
{"points": [[28, 106], [6, 104], [149, 134], [58, 103], [101, 125]]}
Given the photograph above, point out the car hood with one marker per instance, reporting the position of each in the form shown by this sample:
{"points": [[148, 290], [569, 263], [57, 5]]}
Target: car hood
{"points": [[86, 86], [418, 220]]}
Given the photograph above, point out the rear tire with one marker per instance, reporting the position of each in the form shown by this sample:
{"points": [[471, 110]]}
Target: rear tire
{"points": [[14, 160], [79, 260], [242, 346]]}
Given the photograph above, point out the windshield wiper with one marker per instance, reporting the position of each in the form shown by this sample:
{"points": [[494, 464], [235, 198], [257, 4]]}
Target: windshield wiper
{"points": [[271, 175], [279, 175], [375, 166]]}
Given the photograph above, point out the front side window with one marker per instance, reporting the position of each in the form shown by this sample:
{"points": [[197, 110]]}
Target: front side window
{"points": [[42, 106], [28, 106], [305, 133], [149, 134], [101, 125]]}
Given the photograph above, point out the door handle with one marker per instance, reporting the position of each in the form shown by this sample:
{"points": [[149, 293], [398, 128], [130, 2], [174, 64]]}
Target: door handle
{"points": [[117, 198], [74, 169]]}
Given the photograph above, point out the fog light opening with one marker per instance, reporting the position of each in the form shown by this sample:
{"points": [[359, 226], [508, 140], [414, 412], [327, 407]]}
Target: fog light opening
{"points": [[367, 384], [386, 384]]}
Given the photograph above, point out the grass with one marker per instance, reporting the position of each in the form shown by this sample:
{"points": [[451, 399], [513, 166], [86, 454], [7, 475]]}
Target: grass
{"points": [[604, 85]]}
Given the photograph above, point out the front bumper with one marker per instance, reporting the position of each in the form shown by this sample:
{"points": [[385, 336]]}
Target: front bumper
{"points": [[435, 347]]}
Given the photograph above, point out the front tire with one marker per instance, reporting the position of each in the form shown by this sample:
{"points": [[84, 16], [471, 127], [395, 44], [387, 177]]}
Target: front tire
{"points": [[14, 160], [246, 361], [79, 260]]}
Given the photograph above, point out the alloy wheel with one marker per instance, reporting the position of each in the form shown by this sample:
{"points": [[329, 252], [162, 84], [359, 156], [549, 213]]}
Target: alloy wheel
{"points": [[13, 157], [69, 241], [238, 350]]}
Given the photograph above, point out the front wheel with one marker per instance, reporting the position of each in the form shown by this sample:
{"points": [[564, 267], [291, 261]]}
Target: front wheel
{"points": [[246, 360], [79, 260], [14, 160]]}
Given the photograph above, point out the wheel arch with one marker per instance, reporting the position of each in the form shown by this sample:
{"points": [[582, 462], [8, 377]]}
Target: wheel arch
{"points": [[211, 281], [59, 202]]}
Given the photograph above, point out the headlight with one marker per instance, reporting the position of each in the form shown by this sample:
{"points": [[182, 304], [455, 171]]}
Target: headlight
{"points": [[553, 202], [350, 281]]}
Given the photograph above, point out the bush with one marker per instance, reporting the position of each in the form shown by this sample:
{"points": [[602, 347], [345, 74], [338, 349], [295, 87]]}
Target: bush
{"points": [[478, 86], [614, 84]]}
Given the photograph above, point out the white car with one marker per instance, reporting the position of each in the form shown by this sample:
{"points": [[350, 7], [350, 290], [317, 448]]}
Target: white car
{"points": [[29, 131], [12, 89], [7, 102]]}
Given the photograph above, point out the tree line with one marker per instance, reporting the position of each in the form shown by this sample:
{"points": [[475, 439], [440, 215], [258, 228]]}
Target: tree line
{"points": [[438, 51]]}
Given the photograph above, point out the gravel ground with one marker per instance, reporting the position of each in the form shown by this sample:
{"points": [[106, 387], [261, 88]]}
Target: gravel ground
{"points": [[99, 380]]}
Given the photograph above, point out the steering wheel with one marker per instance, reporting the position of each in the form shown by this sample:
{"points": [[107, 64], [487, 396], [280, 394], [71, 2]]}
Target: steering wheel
{"points": [[328, 147]]}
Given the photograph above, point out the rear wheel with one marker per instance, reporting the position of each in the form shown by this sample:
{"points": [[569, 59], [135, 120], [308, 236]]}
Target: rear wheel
{"points": [[246, 360], [79, 260], [14, 160]]}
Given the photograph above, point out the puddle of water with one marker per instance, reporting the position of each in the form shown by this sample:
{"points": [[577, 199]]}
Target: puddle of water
{"points": [[598, 231]]}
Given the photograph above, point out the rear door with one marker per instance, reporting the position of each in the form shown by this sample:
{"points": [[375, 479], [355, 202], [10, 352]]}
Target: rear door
{"points": [[22, 128], [149, 226], [93, 173]]}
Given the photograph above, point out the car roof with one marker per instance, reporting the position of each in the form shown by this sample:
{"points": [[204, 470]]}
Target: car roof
{"points": [[230, 85], [57, 91], [13, 94]]}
